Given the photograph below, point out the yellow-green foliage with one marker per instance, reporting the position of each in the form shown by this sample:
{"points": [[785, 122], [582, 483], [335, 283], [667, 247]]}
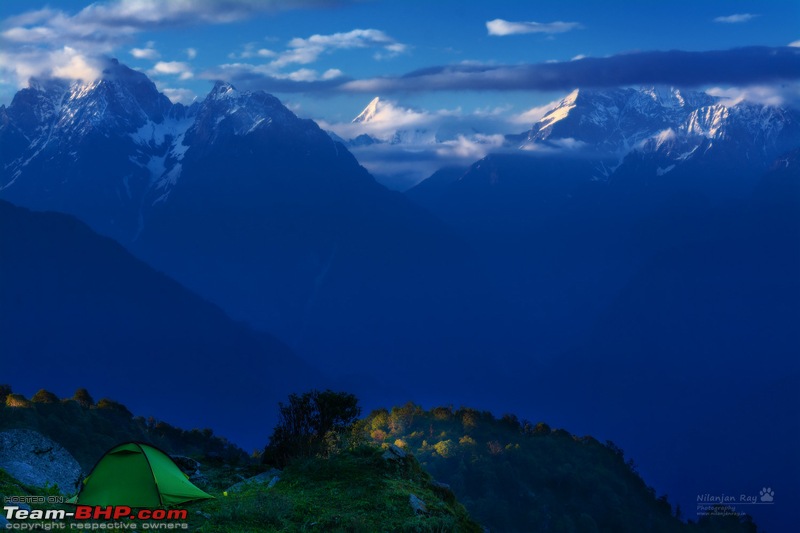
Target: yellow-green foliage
{"points": [[445, 448], [17, 400]]}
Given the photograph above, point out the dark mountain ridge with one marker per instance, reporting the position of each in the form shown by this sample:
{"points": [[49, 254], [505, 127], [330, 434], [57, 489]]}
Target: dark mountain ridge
{"points": [[79, 307], [262, 213]]}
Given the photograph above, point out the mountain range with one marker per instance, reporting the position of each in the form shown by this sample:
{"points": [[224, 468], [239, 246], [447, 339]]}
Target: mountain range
{"points": [[620, 263], [256, 210]]}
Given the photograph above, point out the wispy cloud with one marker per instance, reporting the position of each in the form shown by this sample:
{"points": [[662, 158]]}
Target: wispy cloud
{"points": [[172, 68], [272, 74], [307, 50], [251, 50], [740, 66], [148, 52], [147, 15], [183, 96], [248, 76], [785, 94], [32, 43], [66, 63], [191, 53], [735, 18], [500, 27]]}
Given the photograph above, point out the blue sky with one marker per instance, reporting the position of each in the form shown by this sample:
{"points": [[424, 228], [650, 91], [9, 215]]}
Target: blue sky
{"points": [[327, 59]]}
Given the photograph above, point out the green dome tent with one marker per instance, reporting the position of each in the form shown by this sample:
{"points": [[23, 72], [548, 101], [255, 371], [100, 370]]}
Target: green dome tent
{"points": [[137, 475]]}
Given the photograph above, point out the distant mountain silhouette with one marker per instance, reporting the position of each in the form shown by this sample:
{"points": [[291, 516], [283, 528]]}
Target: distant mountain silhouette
{"points": [[77, 310]]}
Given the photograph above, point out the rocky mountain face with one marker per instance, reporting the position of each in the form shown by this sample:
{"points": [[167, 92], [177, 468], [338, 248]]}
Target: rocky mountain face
{"points": [[94, 150], [666, 122]]}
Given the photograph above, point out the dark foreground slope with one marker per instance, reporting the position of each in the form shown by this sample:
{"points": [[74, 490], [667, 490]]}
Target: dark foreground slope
{"points": [[511, 476], [77, 309], [514, 476], [358, 488]]}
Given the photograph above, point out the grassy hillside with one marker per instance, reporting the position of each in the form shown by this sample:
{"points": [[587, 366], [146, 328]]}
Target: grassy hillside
{"points": [[516, 476], [510, 475], [353, 489], [356, 490]]}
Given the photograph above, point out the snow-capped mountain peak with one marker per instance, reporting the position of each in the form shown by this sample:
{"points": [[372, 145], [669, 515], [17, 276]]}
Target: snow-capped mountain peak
{"points": [[668, 125], [560, 112], [369, 112], [614, 121], [223, 90]]}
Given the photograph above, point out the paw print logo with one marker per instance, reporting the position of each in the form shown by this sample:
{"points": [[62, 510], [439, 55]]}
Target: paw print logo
{"points": [[767, 494]]}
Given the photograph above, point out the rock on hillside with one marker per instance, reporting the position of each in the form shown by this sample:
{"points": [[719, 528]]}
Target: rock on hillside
{"points": [[36, 460]]}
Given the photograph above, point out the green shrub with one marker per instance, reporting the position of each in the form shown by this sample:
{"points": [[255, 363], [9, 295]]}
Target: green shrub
{"points": [[44, 396], [83, 398], [309, 424]]}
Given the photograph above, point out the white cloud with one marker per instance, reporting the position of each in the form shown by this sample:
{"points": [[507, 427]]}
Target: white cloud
{"points": [[568, 143], [148, 52], [390, 51], [397, 48], [331, 73], [304, 74], [147, 14], [29, 41], [66, 63], [786, 94], [172, 68], [400, 166], [229, 70], [736, 18], [183, 96], [304, 51], [307, 50], [71, 65], [472, 148], [250, 50], [191, 53], [502, 27], [795, 44]]}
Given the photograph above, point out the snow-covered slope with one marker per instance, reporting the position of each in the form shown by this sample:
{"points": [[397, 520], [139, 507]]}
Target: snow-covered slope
{"points": [[369, 112], [93, 149]]}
